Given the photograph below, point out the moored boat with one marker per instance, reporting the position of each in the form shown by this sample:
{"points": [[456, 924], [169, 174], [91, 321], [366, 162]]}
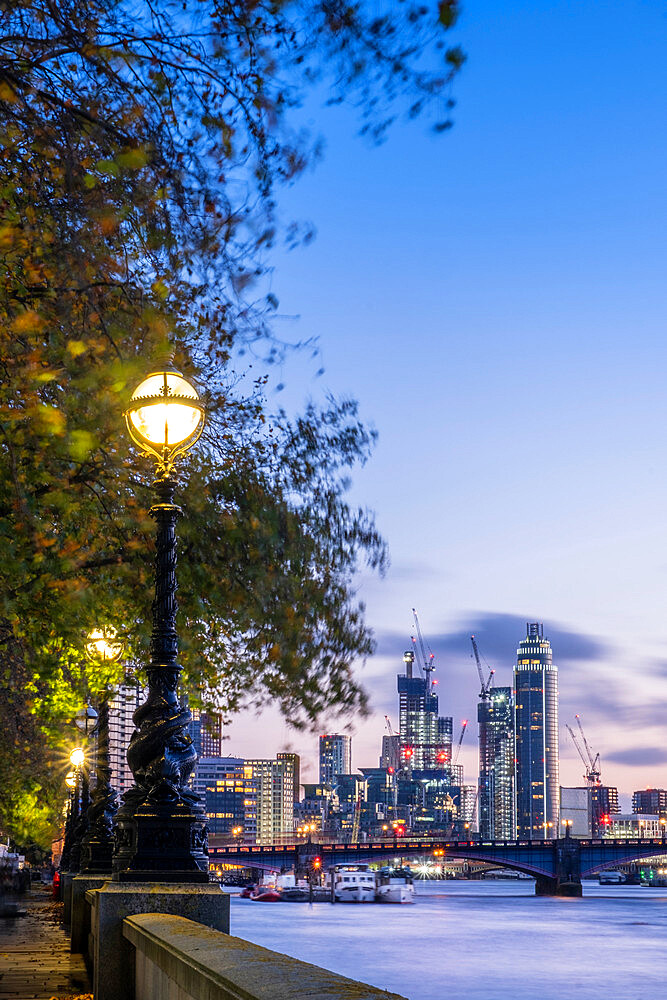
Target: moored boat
{"points": [[353, 883], [265, 894], [394, 885]]}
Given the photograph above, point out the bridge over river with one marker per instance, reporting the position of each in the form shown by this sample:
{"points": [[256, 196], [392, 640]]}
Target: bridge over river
{"points": [[556, 865]]}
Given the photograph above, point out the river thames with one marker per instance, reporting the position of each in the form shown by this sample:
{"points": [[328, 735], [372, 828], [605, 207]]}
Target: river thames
{"points": [[480, 941]]}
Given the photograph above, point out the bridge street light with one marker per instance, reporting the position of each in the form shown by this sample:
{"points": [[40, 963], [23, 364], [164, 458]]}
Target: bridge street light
{"points": [[160, 831], [103, 646]]}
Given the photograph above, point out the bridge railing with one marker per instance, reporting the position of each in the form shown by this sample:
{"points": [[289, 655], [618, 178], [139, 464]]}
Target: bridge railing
{"points": [[291, 842]]}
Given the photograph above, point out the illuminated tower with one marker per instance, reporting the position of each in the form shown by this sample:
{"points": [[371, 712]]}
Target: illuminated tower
{"points": [[536, 778], [425, 737], [335, 757], [495, 714]]}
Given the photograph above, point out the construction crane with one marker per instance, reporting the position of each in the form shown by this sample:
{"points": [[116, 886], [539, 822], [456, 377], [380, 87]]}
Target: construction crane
{"points": [[427, 664], [464, 726], [392, 771], [591, 764], [485, 686]]}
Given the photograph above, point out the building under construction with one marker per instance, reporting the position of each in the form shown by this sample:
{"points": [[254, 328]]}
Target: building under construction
{"points": [[425, 737]]}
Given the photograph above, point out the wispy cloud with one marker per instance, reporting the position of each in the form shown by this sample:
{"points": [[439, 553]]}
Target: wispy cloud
{"points": [[639, 756], [498, 635]]}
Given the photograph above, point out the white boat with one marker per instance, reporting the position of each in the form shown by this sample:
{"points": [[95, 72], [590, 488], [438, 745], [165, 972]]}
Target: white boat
{"points": [[353, 884], [394, 885], [611, 877]]}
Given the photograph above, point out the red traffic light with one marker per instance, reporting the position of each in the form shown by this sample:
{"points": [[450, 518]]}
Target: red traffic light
{"points": [[317, 862]]}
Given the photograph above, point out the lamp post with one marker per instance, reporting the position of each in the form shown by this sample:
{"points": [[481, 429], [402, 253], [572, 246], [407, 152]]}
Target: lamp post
{"points": [[160, 831], [77, 757], [102, 646], [70, 819]]}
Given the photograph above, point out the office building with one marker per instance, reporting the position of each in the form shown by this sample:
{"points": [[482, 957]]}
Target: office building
{"points": [[536, 773], [335, 757], [319, 807], [495, 714], [425, 737], [226, 791], [587, 809], [634, 825], [650, 800], [205, 731]]}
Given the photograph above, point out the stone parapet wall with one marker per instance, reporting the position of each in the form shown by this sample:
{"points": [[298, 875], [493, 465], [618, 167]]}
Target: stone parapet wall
{"points": [[178, 959]]}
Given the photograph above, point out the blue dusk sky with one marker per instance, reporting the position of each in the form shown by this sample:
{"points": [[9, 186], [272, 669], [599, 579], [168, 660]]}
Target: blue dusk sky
{"points": [[495, 298]]}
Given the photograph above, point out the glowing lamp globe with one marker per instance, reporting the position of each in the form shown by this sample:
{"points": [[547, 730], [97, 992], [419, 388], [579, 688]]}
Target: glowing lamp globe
{"points": [[77, 757], [103, 645], [70, 779], [165, 416]]}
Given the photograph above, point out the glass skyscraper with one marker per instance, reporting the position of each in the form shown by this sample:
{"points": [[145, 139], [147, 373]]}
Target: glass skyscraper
{"points": [[496, 765], [536, 778]]}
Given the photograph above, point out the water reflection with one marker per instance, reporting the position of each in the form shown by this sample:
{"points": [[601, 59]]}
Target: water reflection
{"points": [[481, 941]]}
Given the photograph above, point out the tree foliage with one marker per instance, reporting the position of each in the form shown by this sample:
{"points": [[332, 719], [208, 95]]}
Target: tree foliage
{"points": [[142, 143]]}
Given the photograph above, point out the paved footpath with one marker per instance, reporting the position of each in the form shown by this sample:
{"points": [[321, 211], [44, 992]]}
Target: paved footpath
{"points": [[35, 960]]}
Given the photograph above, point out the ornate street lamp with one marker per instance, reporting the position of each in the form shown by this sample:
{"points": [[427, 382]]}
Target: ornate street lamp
{"points": [[160, 831], [103, 646]]}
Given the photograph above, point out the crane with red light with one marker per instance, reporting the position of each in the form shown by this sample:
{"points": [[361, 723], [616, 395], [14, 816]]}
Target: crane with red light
{"points": [[391, 770], [592, 773], [464, 726]]}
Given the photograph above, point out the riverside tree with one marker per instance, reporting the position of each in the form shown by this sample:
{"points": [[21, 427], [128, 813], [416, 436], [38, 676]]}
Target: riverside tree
{"points": [[143, 143]]}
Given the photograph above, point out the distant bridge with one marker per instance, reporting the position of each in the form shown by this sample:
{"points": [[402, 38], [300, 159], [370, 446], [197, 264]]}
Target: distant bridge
{"points": [[556, 865]]}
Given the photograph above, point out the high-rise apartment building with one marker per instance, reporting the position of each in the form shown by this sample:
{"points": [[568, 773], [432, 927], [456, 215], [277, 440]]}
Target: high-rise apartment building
{"points": [[294, 761], [536, 777], [270, 811], [124, 701], [650, 800], [425, 737], [335, 757], [495, 714]]}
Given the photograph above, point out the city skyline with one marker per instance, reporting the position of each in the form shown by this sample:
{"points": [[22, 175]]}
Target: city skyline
{"points": [[494, 298], [387, 702]]}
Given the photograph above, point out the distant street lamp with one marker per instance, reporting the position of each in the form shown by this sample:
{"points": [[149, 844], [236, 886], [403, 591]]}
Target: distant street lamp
{"points": [[102, 646], [85, 720], [71, 816], [160, 831]]}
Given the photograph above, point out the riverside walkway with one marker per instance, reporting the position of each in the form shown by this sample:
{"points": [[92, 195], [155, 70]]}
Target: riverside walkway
{"points": [[35, 958]]}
